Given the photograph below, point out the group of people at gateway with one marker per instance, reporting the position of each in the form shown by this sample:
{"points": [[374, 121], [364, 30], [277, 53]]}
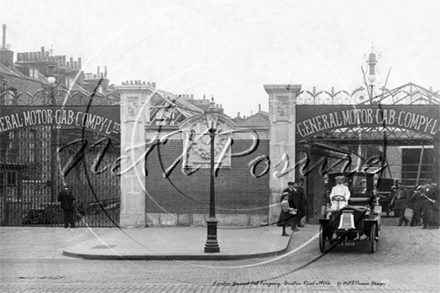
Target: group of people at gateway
{"points": [[293, 206], [422, 203]]}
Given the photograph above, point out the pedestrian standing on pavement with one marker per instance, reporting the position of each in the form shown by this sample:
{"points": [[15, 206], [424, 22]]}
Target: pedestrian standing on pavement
{"points": [[401, 202], [302, 202], [430, 207], [66, 198], [417, 206], [392, 194], [285, 218], [294, 203]]}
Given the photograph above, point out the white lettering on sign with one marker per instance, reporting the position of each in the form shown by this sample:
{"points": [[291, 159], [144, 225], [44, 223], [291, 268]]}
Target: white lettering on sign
{"points": [[366, 117], [65, 117]]}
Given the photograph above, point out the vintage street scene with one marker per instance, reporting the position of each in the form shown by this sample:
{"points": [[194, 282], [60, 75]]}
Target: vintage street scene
{"points": [[180, 146]]}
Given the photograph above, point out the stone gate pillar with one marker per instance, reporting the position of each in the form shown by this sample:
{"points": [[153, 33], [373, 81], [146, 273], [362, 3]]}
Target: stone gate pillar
{"points": [[282, 115], [436, 155], [134, 115]]}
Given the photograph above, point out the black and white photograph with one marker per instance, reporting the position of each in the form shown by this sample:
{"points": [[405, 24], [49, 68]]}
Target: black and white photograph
{"points": [[219, 146]]}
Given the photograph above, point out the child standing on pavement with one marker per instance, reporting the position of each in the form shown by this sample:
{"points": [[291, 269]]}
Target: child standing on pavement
{"points": [[285, 218]]}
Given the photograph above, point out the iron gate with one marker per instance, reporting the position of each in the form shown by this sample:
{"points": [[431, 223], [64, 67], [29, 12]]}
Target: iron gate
{"points": [[52, 138], [36, 162]]}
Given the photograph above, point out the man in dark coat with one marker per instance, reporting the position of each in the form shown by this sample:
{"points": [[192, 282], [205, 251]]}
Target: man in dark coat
{"points": [[430, 207], [417, 206], [67, 199], [401, 202], [294, 202], [303, 201]]}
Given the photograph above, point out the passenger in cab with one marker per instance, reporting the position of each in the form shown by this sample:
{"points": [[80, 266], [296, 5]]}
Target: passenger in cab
{"points": [[363, 186]]}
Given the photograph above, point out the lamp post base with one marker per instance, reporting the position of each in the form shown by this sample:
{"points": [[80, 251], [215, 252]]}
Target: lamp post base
{"points": [[211, 245]]}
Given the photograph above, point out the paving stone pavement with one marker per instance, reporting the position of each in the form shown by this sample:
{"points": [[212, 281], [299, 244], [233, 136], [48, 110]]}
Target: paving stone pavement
{"points": [[407, 260]]}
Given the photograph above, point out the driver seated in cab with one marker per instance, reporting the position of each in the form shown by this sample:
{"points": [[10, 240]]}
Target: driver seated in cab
{"points": [[339, 195]]}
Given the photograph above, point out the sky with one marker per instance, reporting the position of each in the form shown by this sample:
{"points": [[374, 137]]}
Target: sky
{"points": [[230, 49]]}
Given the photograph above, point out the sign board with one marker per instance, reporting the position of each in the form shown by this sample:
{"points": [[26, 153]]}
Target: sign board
{"points": [[101, 119], [312, 119]]}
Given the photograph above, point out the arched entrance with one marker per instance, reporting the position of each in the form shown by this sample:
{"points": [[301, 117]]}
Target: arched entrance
{"points": [[397, 130]]}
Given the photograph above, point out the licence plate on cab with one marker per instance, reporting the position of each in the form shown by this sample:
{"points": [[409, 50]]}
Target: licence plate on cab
{"points": [[348, 243]]}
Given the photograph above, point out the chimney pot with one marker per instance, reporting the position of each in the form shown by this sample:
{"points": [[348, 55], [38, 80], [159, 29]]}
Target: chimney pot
{"points": [[153, 84], [71, 62], [79, 63], [4, 37]]}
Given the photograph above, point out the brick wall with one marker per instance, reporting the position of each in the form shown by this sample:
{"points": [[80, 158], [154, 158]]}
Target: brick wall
{"points": [[237, 191]]}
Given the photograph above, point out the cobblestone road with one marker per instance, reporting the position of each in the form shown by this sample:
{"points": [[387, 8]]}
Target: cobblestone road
{"points": [[407, 260]]}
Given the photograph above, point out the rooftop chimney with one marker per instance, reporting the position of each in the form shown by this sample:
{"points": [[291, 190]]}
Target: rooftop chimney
{"points": [[6, 56], [4, 37]]}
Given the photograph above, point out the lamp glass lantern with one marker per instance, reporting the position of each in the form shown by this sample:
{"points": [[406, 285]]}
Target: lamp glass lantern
{"points": [[51, 73], [51, 80], [211, 116]]}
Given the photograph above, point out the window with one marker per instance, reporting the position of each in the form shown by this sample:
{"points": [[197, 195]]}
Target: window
{"points": [[11, 178], [415, 167]]}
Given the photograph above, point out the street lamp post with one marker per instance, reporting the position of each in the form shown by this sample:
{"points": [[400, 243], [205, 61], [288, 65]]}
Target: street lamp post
{"points": [[50, 101], [211, 246]]}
